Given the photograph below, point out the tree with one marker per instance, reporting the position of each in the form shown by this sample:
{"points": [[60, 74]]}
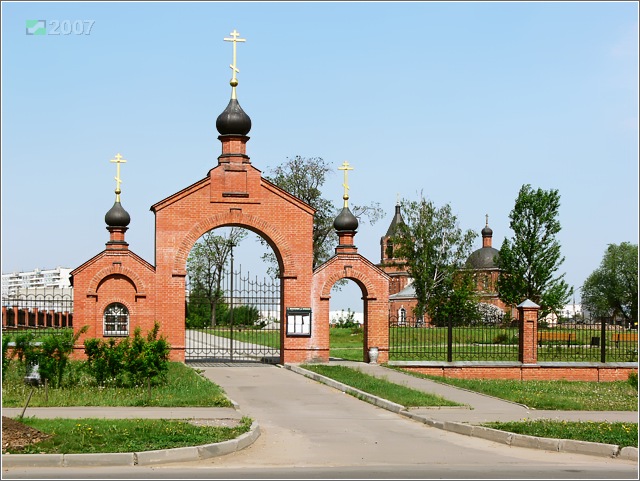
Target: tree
{"points": [[205, 266], [612, 289], [304, 177], [434, 250], [531, 258]]}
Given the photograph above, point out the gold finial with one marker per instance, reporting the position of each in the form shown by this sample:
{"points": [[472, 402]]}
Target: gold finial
{"points": [[346, 168], [487, 217], [118, 160], [234, 69]]}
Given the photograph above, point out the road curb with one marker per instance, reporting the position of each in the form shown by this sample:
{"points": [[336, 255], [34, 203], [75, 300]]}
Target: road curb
{"points": [[143, 458], [503, 437]]}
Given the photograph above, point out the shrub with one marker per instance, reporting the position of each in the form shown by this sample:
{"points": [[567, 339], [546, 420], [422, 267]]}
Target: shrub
{"points": [[6, 358], [633, 379], [129, 361], [26, 351], [147, 360], [490, 314], [346, 321], [105, 360], [53, 355]]}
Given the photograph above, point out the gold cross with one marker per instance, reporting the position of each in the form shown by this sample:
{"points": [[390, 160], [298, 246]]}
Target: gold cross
{"points": [[118, 160], [346, 168], [234, 69]]}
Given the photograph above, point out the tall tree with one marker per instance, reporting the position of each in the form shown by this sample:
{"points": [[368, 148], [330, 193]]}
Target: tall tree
{"points": [[612, 289], [434, 249], [530, 260], [304, 177], [205, 265]]}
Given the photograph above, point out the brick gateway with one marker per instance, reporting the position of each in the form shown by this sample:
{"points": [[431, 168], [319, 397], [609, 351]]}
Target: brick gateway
{"points": [[117, 291]]}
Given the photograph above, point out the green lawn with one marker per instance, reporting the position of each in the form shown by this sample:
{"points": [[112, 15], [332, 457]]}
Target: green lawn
{"points": [[621, 434], [552, 395], [125, 435], [185, 387], [379, 387]]}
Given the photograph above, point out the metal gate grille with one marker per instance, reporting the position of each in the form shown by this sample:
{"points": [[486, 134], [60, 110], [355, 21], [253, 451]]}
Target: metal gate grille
{"points": [[247, 324]]}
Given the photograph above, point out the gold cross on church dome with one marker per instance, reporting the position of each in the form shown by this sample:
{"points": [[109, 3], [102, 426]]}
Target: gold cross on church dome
{"points": [[346, 168], [118, 160], [234, 68]]}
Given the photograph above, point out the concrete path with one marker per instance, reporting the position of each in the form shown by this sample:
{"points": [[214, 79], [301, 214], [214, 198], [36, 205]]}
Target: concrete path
{"points": [[308, 422]]}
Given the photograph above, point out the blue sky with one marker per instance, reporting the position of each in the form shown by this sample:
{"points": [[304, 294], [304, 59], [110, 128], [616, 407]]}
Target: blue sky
{"points": [[464, 102]]}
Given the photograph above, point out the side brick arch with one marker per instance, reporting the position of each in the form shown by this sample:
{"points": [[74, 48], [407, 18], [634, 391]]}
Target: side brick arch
{"points": [[130, 274], [274, 238], [360, 278]]}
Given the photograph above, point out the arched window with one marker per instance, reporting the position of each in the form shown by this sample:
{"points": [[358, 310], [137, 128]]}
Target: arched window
{"points": [[402, 316], [116, 320], [389, 249]]}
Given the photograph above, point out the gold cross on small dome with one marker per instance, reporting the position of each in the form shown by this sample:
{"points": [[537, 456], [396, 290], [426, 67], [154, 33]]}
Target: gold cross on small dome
{"points": [[118, 160], [346, 168], [234, 68]]}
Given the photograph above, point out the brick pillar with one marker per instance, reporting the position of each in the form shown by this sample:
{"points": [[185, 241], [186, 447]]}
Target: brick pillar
{"points": [[528, 339], [4, 316]]}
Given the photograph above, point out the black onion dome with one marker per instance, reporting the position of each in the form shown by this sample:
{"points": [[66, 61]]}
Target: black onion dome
{"points": [[345, 221], [117, 216], [487, 232], [234, 120], [483, 258]]}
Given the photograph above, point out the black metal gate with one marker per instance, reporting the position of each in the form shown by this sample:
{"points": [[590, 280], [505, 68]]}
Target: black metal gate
{"points": [[245, 327]]}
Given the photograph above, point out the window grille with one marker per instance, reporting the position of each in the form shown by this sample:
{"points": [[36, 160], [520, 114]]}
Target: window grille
{"points": [[116, 320]]}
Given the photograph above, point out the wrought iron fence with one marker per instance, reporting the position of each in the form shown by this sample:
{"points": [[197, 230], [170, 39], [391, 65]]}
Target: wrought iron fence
{"points": [[587, 342], [411, 340], [37, 308]]}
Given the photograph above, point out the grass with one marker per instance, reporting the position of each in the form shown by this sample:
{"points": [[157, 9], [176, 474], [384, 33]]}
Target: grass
{"points": [[346, 343], [125, 435], [621, 434], [552, 395], [184, 387], [379, 387]]}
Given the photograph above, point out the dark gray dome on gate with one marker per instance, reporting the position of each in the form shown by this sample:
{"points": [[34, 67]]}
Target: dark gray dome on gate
{"points": [[117, 216], [345, 221], [233, 120]]}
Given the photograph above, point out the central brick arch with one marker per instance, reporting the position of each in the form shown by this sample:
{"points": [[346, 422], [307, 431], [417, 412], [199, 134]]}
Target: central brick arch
{"points": [[276, 240]]}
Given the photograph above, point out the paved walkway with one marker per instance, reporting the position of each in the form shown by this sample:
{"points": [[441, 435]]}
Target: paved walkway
{"points": [[481, 408], [477, 409]]}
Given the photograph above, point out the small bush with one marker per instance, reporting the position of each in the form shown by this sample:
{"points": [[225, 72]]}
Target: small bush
{"points": [[6, 357], [633, 379], [131, 361], [346, 321]]}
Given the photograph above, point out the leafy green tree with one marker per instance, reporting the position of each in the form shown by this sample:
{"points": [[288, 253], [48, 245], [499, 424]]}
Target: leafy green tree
{"points": [[612, 289], [434, 250], [304, 177], [456, 302], [205, 266], [530, 260]]}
